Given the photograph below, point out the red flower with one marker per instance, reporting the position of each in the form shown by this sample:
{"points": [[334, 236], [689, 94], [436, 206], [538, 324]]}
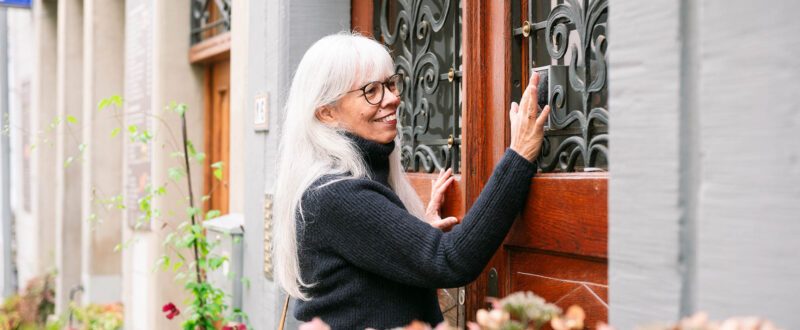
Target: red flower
{"points": [[168, 307], [227, 327], [173, 311], [235, 327], [241, 327]]}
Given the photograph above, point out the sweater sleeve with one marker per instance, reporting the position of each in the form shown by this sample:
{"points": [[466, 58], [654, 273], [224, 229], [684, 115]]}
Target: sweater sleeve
{"points": [[364, 223]]}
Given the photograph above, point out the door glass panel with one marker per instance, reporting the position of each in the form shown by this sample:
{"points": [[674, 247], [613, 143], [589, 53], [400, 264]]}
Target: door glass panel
{"points": [[424, 38], [568, 40], [210, 18]]}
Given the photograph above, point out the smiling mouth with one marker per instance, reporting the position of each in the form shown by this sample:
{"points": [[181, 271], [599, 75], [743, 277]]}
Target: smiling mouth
{"points": [[387, 118]]}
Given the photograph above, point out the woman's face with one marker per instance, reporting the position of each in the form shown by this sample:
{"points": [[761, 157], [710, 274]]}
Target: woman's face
{"points": [[373, 122]]}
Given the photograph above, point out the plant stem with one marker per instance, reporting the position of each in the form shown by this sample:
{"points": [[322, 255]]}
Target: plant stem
{"points": [[191, 200]]}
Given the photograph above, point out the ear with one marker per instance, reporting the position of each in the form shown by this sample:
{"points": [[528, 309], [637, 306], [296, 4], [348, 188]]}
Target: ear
{"points": [[327, 115]]}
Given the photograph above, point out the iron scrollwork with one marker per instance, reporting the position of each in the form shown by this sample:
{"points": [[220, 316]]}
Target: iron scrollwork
{"points": [[424, 37], [202, 13], [574, 37]]}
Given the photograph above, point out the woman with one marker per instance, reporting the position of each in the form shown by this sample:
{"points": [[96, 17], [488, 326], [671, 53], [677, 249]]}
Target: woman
{"points": [[352, 240]]}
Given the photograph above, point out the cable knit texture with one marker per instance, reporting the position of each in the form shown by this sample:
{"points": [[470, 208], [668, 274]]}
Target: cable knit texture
{"points": [[376, 265]]}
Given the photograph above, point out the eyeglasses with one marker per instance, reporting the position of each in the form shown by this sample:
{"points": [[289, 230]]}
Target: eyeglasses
{"points": [[373, 91]]}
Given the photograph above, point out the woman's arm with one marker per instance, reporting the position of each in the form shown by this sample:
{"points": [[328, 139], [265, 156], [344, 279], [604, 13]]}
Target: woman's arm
{"points": [[362, 221]]}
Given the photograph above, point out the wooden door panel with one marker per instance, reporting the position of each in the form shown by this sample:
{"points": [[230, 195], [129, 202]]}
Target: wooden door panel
{"points": [[217, 135], [561, 279], [565, 213]]}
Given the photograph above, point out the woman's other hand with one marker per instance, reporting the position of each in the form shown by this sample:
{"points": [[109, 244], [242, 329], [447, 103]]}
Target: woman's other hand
{"points": [[438, 188], [527, 129]]}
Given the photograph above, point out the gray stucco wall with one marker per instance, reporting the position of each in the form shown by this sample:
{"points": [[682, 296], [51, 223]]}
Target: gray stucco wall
{"points": [[704, 195], [280, 32]]}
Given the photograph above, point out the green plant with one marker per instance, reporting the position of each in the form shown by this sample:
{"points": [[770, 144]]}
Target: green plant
{"points": [[99, 317], [30, 309], [192, 256]]}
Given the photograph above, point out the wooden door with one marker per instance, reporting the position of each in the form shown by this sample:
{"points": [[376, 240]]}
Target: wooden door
{"points": [[217, 135], [557, 248]]}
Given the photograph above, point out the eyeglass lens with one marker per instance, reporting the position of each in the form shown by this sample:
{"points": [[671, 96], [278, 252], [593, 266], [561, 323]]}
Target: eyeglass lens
{"points": [[374, 91]]}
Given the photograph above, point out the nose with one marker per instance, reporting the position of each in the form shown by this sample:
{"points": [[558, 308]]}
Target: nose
{"points": [[389, 99]]}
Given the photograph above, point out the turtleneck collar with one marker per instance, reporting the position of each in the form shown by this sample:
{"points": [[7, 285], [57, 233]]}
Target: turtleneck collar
{"points": [[376, 156]]}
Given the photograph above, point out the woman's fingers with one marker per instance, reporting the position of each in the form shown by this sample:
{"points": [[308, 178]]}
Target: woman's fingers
{"points": [[438, 191], [543, 117], [528, 103], [443, 188], [445, 224]]}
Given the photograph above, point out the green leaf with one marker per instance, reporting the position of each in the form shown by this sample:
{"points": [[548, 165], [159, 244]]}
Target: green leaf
{"points": [[246, 282], [32, 147], [176, 154], [168, 239], [218, 169], [114, 132], [212, 214], [72, 119], [103, 103], [190, 146], [181, 109], [176, 173], [133, 128], [200, 157], [69, 160], [82, 147], [191, 211], [117, 247], [116, 99], [205, 198]]}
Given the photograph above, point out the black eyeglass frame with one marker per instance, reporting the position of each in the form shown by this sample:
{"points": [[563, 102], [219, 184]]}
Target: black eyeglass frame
{"points": [[384, 87]]}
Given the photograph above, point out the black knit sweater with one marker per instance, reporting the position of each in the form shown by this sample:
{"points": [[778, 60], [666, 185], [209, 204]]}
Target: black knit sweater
{"points": [[376, 265]]}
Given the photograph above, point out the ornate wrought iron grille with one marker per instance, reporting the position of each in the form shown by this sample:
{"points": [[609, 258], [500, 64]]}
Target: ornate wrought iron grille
{"points": [[424, 37], [209, 18], [567, 38]]}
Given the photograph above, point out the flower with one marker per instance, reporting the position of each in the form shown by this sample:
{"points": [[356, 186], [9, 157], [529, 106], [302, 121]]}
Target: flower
{"points": [[238, 326], [493, 319], [173, 311], [168, 307], [572, 320]]}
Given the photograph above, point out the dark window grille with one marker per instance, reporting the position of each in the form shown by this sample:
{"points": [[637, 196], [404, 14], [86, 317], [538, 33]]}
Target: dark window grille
{"points": [[209, 18], [568, 40], [424, 37]]}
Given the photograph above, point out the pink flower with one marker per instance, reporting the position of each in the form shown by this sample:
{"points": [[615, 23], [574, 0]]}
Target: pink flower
{"points": [[173, 311], [168, 307]]}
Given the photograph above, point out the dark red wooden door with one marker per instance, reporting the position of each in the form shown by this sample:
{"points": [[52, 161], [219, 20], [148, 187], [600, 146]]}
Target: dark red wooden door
{"points": [[557, 248]]}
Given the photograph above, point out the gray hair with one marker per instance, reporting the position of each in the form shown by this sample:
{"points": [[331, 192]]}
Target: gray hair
{"points": [[310, 149]]}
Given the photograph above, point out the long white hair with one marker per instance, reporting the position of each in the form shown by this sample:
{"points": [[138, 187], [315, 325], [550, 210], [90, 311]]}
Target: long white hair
{"points": [[310, 149]]}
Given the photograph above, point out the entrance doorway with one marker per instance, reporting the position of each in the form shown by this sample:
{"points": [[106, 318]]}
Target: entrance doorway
{"points": [[558, 247]]}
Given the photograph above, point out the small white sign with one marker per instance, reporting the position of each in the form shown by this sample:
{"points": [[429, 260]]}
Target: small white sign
{"points": [[261, 113]]}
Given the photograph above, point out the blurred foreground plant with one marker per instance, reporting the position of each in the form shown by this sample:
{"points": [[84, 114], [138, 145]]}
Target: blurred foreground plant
{"points": [[99, 317], [29, 310], [527, 311]]}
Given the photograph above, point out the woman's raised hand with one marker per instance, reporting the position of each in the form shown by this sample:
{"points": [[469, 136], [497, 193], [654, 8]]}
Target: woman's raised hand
{"points": [[527, 129], [438, 188]]}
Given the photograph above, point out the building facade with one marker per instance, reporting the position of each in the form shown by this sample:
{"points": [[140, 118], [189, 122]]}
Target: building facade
{"points": [[670, 185]]}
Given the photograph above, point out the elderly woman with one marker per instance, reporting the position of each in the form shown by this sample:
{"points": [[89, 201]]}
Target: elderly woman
{"points": [[353, 242]]}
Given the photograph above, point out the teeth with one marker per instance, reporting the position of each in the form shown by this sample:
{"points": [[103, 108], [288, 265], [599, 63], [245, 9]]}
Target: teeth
{"points": [[387, 118]]}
